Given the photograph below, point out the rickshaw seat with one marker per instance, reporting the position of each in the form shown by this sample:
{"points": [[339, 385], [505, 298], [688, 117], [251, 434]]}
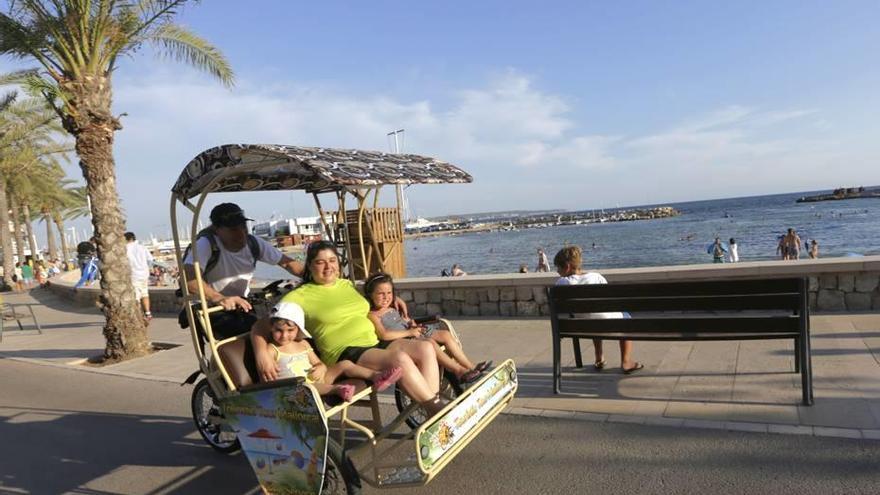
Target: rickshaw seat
{"points": [[238, 359]]}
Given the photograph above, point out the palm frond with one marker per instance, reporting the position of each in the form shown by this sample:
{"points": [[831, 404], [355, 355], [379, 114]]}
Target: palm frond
{"points": [[183, 45]]}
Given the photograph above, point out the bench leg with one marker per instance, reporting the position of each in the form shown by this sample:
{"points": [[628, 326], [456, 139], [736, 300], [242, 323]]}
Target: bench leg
{"points": [[797, 355], [557, 367], [578, 361], [806, 371]]}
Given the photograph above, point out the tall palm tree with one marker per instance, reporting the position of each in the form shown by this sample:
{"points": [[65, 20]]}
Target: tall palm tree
{"points": [[54, 198], [77, 43]]}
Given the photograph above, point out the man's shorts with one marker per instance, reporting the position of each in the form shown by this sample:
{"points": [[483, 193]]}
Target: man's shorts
{"points": [[140, 289]]}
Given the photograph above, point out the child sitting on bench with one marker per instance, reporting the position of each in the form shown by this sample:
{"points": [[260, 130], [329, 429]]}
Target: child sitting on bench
{"points": [[297, 358]]}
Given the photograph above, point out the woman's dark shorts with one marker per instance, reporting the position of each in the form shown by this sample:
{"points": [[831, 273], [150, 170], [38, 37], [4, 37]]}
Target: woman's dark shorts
{"points": [[354, 353]]}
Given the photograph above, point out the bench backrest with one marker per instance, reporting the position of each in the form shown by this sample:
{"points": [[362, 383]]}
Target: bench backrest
{"points": [[771, 306]]}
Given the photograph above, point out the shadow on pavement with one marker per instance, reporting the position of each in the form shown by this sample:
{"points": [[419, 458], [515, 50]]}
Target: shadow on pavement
{"points": [[58, 451]]}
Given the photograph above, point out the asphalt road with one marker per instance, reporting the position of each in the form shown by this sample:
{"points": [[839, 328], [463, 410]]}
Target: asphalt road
{"points": [[93, 434]]}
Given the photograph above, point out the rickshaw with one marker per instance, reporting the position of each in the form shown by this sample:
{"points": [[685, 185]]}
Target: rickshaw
{"points": [[295, 440]]}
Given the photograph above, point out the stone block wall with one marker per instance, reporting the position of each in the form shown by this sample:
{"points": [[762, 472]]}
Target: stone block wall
{"points": [[835, 285], [852, 291]]}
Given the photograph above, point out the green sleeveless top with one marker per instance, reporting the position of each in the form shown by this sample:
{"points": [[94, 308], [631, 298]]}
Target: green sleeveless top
{"points": [[336, 316]]}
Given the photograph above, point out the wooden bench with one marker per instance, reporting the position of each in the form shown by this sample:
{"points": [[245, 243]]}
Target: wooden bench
{"points": [[685, 311]]}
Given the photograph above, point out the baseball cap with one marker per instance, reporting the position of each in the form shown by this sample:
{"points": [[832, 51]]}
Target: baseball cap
{"points": [[293, 312], [228, 215]]}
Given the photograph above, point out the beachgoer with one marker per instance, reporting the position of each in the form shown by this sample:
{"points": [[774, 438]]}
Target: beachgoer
{"points": [[568, 265], [296, 358], [793, 245], [543, 264], [780, 247], [390, 326], [139, 259], [16, 278], [336, 315], [523, 268], [733, 255], [27, 274], [457, 271], [228, 256], [814, 249], [89, 273], [717, 250]]}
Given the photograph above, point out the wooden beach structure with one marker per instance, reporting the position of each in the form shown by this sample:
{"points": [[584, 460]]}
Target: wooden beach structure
{"points": [[368, 236]]}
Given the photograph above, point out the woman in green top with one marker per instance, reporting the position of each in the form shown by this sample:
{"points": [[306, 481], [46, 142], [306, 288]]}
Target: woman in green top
{"points": [[336, 316]]}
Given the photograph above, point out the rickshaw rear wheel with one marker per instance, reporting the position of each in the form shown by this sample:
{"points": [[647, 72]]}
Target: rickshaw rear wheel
{"points": [[210, 421], [340, 477], [449, 390]]}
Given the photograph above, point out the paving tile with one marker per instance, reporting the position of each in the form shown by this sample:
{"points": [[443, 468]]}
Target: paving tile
{"points": [[825, 431], [550, 413]]}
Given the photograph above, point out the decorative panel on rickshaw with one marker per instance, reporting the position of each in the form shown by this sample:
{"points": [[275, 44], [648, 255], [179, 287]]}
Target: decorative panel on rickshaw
{"points": [[283, 434]]}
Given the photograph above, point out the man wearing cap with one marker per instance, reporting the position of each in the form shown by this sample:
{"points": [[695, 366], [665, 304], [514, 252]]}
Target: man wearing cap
{"points": [[227, 276]]}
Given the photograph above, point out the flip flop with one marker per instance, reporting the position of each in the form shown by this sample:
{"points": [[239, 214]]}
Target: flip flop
{"points": [[483, 365], [600, 365], [345, 391], [635, 368], [387, 378]]}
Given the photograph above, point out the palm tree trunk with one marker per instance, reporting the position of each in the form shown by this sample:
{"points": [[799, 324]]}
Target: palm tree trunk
{"points": [[52, 246], [16, 226], [93, 126], [5, 238], [59, 224], [29, 227]]}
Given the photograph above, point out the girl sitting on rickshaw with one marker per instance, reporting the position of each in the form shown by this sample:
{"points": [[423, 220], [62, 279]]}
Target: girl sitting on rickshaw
{"points": [[336, 315]]}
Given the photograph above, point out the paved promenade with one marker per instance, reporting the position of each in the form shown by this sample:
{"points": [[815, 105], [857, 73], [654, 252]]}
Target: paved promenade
{"points": [[743, 386]]}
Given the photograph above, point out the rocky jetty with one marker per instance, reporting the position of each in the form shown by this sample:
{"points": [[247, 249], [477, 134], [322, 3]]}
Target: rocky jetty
{"points": [[842, 193]]}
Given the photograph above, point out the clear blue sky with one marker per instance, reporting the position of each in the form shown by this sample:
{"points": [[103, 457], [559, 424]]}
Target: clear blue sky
{"points": [[549, 105]]}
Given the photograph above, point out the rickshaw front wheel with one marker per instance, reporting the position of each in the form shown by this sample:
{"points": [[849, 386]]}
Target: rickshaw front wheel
{"points": [[340, 476], [210, 421]]}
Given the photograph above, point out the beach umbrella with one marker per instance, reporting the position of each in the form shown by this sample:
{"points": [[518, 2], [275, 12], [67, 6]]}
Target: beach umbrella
{"points": [[266, 436]]}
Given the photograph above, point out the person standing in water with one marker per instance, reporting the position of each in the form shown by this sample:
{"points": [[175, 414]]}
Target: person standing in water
{"points": [[543, 264], [733, 253]]}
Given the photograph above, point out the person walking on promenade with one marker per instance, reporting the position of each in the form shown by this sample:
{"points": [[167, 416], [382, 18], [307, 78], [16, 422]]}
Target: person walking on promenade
{"points": [[27, 275], [814, 250], [139, 259], [733, 254], [543, 264], [717, 250], [568, 265], [17, 278]]}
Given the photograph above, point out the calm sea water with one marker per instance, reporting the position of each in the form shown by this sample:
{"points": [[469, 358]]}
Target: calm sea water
{"points": [[842, 228]]}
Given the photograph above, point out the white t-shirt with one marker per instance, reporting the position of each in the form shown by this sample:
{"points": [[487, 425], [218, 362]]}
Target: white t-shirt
{"points": [[139, 259], [589, 278], [234, 270]]}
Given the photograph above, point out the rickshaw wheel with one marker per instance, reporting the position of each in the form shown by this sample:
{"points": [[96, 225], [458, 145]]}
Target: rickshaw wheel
{"points": [[449, 390], [340, 476], [204, 407]]}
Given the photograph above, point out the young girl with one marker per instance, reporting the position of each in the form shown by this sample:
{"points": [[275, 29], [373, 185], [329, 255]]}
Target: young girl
{"points": [[297, 358], [390, 325]]}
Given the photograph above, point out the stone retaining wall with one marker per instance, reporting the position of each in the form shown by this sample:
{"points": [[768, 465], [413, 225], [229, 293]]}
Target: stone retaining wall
{"points": [[835, 285]]}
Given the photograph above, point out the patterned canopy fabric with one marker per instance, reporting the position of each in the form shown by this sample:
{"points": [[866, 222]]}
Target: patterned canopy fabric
{"points": [[267, 167]]}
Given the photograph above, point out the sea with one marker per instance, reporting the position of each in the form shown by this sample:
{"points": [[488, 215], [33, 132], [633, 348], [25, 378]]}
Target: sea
{"points": [[842, 228]]}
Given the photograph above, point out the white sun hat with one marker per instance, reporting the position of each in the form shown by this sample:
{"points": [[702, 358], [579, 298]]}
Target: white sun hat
{"points": [[293, 312]]}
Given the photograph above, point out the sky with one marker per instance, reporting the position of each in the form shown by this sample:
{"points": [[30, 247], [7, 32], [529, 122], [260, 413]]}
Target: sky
{"points": [[549, 105]]}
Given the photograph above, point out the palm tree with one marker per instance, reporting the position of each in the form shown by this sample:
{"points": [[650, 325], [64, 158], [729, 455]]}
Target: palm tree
{"points": [[54, 199], [77, 43], [75, 205]]}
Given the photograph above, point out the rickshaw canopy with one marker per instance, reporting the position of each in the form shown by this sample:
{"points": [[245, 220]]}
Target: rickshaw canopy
{"points": [[271, 167]]}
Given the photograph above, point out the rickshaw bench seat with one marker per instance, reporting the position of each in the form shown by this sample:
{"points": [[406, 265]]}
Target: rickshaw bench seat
{"points": [[240, 363]]}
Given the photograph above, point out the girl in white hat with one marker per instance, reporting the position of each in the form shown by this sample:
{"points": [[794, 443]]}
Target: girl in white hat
{"points": [[296, 358]]}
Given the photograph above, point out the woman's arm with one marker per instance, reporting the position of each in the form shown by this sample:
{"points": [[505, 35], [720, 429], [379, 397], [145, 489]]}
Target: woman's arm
{"points": [[385, 334], [267, 366]]}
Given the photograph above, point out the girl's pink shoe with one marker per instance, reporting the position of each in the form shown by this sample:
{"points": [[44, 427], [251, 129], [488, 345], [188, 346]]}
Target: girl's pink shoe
{"points": [[387, 378], [345, 391]]}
